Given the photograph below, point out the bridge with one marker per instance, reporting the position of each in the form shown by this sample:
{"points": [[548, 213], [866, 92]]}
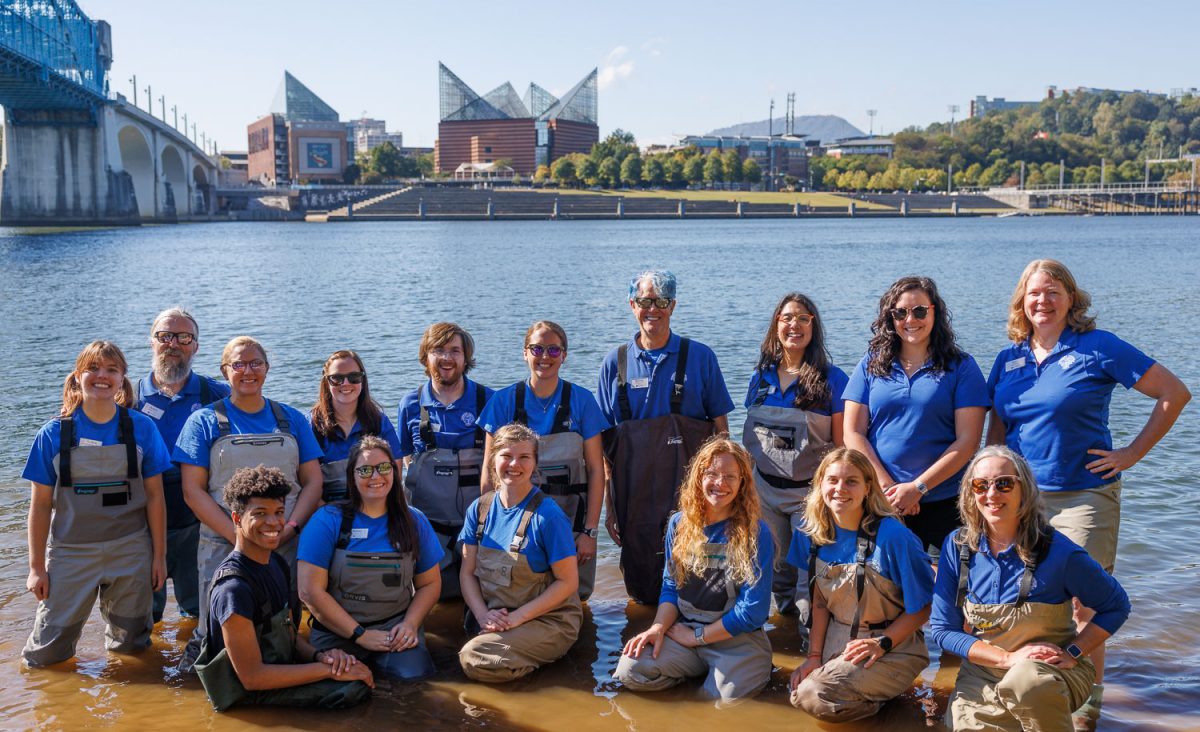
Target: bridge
{"points": [[74, 153]]}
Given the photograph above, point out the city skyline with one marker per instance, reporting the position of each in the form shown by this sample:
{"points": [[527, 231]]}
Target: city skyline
{"points": [[664, 70]]}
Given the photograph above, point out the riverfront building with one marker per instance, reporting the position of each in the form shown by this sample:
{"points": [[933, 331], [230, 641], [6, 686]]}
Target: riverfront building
{"points": [[878, 146], [371, 133], [526, 132], [776, 155], [301, 139]]}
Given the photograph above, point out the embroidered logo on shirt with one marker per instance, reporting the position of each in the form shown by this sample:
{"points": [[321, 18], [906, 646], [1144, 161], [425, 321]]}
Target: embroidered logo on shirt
{"points": [[675, 440], [196, 406], [468, 419], [1067, 361]]}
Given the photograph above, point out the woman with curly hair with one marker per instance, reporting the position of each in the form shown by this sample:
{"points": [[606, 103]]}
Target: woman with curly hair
{"points": [[716, 592], [915, 406], [870, 587]]}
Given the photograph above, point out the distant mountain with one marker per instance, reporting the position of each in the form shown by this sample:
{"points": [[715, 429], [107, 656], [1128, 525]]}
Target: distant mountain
{"points": [[824, 127]]}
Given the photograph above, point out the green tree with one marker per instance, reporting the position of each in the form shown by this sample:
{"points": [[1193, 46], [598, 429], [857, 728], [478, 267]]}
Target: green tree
{"points": [[858, 180], [541, 175], [349, 176], [732, 162], [563, 172], [618, 144], [673, 170], [631, 170], [831, 178], [714, 169], [751, 172], [653, 171], [425, 164], [386, 160], [588, 171], [693, 169], [610, 173]]}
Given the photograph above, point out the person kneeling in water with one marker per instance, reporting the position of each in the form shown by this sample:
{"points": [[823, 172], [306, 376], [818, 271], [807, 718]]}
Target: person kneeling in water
{"points": [[251, 653]]}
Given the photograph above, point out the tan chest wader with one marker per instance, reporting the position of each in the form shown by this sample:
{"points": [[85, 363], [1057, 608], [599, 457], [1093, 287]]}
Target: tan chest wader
{"points": [[443, 482], [563, 471], [230, 452], [276, 636], [1030, 695], [733, 669], [507, 581], [787, 445], [648, 459], [99, 542], [861, 601]]}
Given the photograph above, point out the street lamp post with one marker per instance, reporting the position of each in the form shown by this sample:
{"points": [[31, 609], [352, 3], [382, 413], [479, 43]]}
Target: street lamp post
{"points": [[162, 101], [133, 80], [149, 101]]}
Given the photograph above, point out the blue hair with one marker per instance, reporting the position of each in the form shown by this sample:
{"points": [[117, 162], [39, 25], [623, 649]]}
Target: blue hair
{"points": [[662, 280]]}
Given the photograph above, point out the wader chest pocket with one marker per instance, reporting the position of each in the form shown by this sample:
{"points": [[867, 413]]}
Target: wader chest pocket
{"points": [[258, 441], [499, 575], [777, 436]]}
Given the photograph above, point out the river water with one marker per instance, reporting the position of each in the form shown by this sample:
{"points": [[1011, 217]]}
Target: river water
{"points": [[306, 290]]}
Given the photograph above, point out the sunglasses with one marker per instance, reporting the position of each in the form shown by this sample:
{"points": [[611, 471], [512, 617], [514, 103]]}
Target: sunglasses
{"points": [[552, 351], [919, 312], [365, 471], [165, 337], [354, 377], [662, 303], [1000, 484], [256, 365]]}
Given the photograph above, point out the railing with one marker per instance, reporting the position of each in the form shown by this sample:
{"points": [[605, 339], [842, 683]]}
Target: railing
{"points": [[57, 35], [1070, 188]]}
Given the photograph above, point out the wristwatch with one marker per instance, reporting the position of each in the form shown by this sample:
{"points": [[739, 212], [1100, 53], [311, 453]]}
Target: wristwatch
{"points": [[885, 642], [1074, 651], [700, 636], [589, 532], [358, 631], [924, 489]]}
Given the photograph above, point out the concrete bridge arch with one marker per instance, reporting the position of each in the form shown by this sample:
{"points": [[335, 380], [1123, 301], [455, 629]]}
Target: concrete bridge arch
{"points": [[137, 160]]}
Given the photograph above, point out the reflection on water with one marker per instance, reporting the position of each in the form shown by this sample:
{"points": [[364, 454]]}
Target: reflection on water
{"points": [[308, 290]]}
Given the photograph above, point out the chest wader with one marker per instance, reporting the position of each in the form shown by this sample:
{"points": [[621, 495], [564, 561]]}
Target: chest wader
{"points": [[563, 472], [507, 581], [276, 636], [442, 482], [860, 601], [648, 459], [333, 476], [787, 445], [1030, 694], [228, 453], [99, 541]]}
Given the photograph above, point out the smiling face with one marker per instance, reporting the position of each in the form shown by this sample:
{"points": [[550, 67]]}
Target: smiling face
{"points": [[999, 510], [513, 465], [101, 380], [1047, 303], [376, 487], [446, 363], [843, 490], [544, 366], [654, 322], [261, 523], [345, 395], [794, 335], [720, 485], [914, 332], [249, 381], [173, 360]]}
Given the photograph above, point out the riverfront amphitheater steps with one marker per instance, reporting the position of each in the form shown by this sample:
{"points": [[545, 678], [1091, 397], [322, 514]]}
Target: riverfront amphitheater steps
{"points": [[344, 211]]}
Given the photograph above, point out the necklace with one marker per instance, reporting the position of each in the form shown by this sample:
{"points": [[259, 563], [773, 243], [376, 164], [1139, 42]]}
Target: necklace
{"points": [[543, 404]]}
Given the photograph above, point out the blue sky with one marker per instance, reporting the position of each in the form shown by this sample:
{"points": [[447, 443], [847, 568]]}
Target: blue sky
{"points": [[666, 67]]}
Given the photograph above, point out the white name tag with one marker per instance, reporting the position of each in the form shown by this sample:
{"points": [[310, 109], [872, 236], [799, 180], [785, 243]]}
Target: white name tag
{"points": [[642, 383], [88, 442], [1016, 363], [359, 533], [152, 411]]}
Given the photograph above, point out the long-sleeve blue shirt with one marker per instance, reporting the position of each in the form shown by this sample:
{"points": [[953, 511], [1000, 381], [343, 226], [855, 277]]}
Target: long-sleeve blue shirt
{"points": [[1066, 572], [753, 603]]}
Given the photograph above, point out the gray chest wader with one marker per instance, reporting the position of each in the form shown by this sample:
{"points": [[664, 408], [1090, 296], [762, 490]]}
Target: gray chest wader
{"points": [[179, 514], [443, 482], [707, 598], [375, 588], [99, 494], [333, 478], [648, 459], [563, 471]]}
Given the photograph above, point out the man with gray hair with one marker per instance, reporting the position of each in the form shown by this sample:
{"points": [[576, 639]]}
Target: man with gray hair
{"points": [[666, 396], [168, 395]]}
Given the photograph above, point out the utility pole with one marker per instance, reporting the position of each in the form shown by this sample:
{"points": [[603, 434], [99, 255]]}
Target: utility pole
{"points": [[1103, 170], [133, 80], [949, 178], [770, 146], [953, 110], [871, 113]]}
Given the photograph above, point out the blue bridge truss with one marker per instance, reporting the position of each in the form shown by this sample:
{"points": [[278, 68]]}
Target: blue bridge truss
{"points": [[52, 57]]}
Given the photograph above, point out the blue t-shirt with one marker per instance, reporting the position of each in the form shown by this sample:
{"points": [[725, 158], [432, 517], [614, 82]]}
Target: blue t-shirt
{"points": [[171, 412], [39, 468], [1055, 411], [911, 421], [1066, 572], [453, 426], [201, 431], [319, 538], [898, 556], [753, 603], [651, 379], [586, 417], [338, 448], [235, 596], [547, 540], [775, 398]]}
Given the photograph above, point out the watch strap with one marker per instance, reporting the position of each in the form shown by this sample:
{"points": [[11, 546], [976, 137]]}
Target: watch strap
{"points": [[357, 633], [885, 642]]}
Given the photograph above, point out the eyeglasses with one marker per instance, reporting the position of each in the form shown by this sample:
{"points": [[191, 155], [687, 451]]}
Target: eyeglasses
{"points": [[662, 303], [713, 476], [365, 471], [919, 312], [256, 365], [165, 337], [447, 352], [354, 377], [552, 351], [802, 319], [1000, 484]]}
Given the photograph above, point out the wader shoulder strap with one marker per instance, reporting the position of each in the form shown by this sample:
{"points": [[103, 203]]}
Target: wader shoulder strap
{"points": [[66, 440], [519, 414], [206, 392], [531, 508], [222, 413], [623, 383], [426, 430], [812, 580], [1041, 549], [484, 505], [562, 418], [760, 395], [125, 432], [964, 566], [865, 547], [281, 418], [480, 403], [680, 371], [347, 526]]}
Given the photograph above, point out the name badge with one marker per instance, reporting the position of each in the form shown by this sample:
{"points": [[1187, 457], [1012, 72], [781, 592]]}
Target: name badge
{"points": [[359, 533], [1016, 363], [152, 411], [89, 442], [642, 383]]}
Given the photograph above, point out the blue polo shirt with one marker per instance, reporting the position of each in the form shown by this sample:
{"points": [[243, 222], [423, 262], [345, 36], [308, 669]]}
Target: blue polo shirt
{"points": [[39, 468], [1066, 572], [753, 603], [547, 540], [776, 398], [651, 379], [898, 556], [1055, 411], [911, 420], [201, 431], [319, 537], [338, 448], [453, 426], [586, 417]]}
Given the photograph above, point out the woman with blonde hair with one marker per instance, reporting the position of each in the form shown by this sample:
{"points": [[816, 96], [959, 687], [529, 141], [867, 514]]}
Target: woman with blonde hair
{"points": [[716, 592], [870, 584], [1025, 666]]}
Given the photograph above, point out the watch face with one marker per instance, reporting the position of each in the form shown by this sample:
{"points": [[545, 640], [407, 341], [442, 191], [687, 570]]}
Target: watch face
{"points": [[1074, 650]]}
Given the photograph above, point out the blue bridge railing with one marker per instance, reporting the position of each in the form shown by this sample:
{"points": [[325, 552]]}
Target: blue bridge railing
{"points": [[59, 37]]}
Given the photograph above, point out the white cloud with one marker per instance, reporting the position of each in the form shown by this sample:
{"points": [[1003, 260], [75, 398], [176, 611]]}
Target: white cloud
{"points": [[614, 68]]}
